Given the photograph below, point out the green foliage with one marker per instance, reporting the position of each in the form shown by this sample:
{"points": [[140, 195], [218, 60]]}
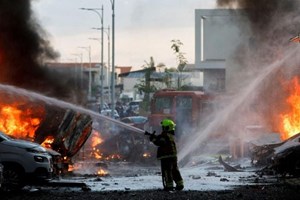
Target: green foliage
{"points": [[144, 85], [182, 61]]}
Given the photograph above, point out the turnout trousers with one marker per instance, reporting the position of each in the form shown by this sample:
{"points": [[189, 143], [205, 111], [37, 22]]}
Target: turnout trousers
{"points": [[170, 173]]}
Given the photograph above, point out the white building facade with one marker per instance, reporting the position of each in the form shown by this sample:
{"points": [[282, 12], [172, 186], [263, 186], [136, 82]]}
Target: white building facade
{"points": [[217, 35]]}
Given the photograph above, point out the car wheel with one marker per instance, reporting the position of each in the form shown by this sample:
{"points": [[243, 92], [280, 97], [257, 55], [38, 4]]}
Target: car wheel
{"points": [[12, 178]]}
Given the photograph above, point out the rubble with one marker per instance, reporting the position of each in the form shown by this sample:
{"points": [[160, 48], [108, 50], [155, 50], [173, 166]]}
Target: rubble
{"points": [[227, 167], [280, 158]]}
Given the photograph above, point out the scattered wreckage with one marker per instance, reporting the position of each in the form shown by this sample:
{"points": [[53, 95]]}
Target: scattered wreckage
{"points": [[281, 158]]}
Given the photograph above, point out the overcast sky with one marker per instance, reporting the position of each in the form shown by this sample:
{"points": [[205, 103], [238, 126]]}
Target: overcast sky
{"points": [[143, 28]]}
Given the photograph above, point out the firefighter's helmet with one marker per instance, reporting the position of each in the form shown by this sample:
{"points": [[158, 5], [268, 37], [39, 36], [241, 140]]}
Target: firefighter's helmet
{"points": [[168, 125]]}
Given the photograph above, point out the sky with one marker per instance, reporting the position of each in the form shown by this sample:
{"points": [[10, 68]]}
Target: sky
{"points": [[143, 29]]}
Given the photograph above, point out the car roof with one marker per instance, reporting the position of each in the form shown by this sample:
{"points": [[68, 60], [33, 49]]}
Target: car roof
{"points": [[135, 118]]}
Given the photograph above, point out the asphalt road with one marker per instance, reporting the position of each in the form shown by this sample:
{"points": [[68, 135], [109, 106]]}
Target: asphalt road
{"points": [[275, 192]]}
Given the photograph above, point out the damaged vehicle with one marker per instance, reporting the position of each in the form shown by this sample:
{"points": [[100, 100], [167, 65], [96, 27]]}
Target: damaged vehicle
{"points": [[279, 158], [23, 162], [62, 131]]}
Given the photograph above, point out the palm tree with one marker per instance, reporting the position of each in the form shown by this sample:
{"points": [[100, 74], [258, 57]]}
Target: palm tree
{"points": [[182, 61]]}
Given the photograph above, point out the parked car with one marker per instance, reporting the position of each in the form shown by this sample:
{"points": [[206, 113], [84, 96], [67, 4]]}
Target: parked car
{"points": [[23, 163], [136, 121]]}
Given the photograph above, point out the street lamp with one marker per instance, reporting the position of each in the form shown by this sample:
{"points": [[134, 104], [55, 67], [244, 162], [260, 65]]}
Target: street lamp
{"points": [[88, 49], [107, 32], [81, 70], [95, 10], [113, 59]]}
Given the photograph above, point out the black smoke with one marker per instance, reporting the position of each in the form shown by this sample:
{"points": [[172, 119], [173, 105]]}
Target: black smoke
{"points": [[271, 23], [24, 49]]}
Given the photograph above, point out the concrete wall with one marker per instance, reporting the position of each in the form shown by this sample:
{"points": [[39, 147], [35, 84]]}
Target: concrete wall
{"points": [[217, 36]]}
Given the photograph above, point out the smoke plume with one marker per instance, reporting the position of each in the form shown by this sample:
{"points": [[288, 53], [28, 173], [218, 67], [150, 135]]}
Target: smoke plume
{"points": [[24, 49], [261, 70], [272, 24]]}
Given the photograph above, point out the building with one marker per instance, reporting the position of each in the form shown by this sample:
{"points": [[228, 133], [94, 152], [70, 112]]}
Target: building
{"points": [[217, 35], [81, 72], [176, 79]]}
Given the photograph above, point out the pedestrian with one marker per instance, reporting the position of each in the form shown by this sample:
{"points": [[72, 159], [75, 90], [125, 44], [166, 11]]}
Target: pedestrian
{"points": [[167, 154]]}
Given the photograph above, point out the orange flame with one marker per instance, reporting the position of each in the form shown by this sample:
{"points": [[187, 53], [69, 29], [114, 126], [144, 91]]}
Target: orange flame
{"points": [[291, 121], [97, 154], [102, 172], [48, 141], [96, 139], [19, 123]]}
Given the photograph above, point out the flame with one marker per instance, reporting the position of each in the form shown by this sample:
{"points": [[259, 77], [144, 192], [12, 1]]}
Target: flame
{"points": [[19, 123], [113, 157], [48, 141], [102, 172], [96, 153], [291, 120], [71, 168], [95, 139]]}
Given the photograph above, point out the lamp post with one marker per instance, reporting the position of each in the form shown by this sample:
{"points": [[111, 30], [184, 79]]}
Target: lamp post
{"points": [[95, 10], [107, 32], [80, 76], [100, 76], [88, 49], [113, 59]]}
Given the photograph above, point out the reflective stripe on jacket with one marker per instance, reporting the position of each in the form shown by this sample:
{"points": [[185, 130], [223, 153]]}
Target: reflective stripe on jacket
{"points": [[166, 146]]}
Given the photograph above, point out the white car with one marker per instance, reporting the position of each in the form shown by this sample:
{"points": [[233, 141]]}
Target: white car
{"points": [[23, 162]]}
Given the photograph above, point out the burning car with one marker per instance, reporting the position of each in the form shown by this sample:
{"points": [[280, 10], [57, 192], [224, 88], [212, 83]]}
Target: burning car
{"points": [[61, 129], [23, 162], [116, 143]]}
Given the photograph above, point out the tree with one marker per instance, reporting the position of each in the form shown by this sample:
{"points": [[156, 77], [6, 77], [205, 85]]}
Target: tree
{"points": [[182, 61], [145, 84]]}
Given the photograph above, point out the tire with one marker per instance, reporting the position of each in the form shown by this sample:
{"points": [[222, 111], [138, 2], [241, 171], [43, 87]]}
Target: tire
{"points": [[13, 178]]}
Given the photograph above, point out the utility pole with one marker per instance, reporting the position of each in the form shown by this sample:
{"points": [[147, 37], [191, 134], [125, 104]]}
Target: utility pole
{"points": [[95, 10], [107, 32], [113, 59], [90, 71]]}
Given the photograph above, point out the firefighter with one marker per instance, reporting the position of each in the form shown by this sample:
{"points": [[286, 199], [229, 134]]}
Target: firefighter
{"points": [[167, 154]]}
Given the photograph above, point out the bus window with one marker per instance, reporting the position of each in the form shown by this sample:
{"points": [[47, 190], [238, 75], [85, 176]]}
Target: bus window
{"points": [[184, 102], [163, 105]]}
